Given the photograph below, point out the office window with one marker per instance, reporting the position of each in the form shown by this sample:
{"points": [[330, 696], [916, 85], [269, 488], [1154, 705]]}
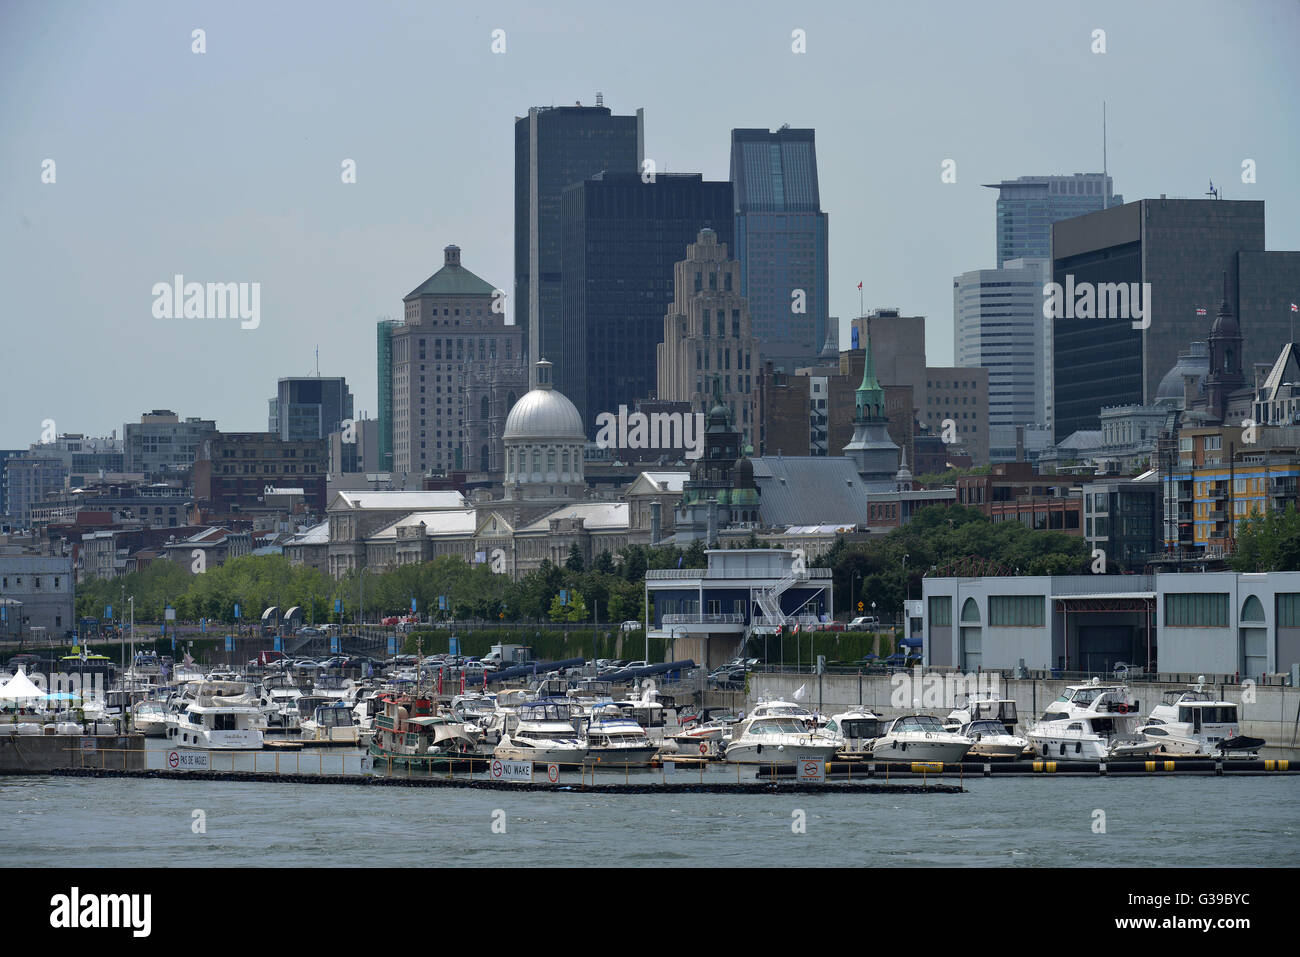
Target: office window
{"points": [[940, 610]]}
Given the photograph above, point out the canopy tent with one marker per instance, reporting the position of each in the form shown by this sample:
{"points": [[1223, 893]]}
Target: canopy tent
{"points": [[20, 688]]}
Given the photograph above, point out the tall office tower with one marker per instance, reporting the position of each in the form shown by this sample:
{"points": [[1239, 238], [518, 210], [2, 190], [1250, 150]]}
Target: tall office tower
{"points": [[999, 326], [1181, 247], [384, 350], [162, 442], [623, 238], [781, 242], [450, 355], [556, 147], [1028, 206], [309, 407], [707, 332]]}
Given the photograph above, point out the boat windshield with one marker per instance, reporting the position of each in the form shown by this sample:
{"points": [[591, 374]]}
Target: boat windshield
{"points": [[777, 726], [985, 727], [918, 722], [544, 712]]}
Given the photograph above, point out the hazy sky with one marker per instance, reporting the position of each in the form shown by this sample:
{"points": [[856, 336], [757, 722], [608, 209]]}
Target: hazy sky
{"points": [[225, 166]]}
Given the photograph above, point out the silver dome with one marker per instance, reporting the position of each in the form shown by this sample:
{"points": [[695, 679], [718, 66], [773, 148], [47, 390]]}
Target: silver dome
{"points": [[544, 414]]}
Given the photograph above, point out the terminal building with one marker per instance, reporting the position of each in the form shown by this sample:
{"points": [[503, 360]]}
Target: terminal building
{"points": [[1192, 623]]}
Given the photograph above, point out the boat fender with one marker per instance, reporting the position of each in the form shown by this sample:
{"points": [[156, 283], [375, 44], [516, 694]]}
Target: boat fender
{"points": [[759, 749]]}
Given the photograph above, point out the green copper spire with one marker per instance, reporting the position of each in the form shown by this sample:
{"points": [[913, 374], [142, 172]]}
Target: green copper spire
{"points": [[870, 396]]}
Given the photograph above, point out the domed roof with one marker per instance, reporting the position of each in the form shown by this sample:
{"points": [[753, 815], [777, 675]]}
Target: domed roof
{"points": [[1195, 361], [544, 413]]}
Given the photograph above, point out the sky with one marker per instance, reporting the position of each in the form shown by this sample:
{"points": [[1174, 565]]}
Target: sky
{"points": [[226, 165]]}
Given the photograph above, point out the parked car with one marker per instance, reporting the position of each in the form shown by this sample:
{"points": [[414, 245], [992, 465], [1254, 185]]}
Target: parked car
{"points": [[632, 625], [864, 621], [309, 632]]}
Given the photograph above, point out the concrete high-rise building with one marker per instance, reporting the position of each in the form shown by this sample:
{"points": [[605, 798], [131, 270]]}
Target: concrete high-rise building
{"points": [[706, 331], [998, 325], [1028, 206], [897, 348], [309, 407], [452, 354], [957, 408], [162, 442], [623, 238], [781, 242], [1182, 248], [556, 147]]}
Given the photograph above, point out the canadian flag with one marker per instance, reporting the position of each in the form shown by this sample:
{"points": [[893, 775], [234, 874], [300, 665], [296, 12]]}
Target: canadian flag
{"points": [[1200, 312], [1294, 307], [1292, 304]]}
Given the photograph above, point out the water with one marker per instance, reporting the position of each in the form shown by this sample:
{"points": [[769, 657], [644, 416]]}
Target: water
{"points": [[1016, 822]]}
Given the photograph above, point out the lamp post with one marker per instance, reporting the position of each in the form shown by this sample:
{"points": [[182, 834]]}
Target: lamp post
{"points": [[852, 584], [905, 594]]}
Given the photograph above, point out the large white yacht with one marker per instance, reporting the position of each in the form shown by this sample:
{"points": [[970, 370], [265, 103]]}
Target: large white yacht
{"points": [[1092, 722], [614, 739], [544, 734], [211, 721], [1195, 722], [919, 737]]}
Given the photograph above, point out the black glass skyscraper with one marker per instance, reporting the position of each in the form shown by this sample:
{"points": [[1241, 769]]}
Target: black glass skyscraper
{"points": [[622, 237], [781, 242], [556, 147]]}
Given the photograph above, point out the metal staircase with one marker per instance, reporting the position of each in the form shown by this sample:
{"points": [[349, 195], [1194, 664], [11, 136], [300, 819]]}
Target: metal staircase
{"points": [[769, 599]]}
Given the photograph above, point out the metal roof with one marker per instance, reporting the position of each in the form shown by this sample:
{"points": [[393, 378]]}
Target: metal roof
{"points": [[810, 490]]}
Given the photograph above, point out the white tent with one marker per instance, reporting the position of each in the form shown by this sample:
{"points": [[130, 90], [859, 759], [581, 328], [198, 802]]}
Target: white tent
{"points": [[20, 688]]}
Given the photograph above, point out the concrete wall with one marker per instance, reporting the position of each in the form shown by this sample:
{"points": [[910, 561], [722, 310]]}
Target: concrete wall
{"points": [[1272, 716], [39, 753]]}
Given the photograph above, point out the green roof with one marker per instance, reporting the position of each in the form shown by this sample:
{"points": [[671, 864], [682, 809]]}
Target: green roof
{"points": [[453, 281]]}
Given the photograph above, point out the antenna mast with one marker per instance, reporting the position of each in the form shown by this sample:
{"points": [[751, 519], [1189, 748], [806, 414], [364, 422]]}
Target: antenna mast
{"points": [[1104, 172]]}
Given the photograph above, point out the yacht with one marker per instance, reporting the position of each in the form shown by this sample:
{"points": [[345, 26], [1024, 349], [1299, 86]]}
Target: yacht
{"points": [[1092, 722], [408, 732], [918, 737], [776, 737], [212, 721], [992, 740], [331, 722], [702, 732], [544, 734], [856, 729], [614, 740], [1195, 722], [150, 719], [980, 706]]}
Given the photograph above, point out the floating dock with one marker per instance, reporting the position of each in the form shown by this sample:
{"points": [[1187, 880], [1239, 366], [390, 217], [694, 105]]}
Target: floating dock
{"points": [[1164, 765]]}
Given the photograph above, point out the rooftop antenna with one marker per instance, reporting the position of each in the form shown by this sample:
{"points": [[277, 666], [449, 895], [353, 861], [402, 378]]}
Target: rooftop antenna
{"points": [[600, 98], [1105, 177], [1213, 191], [318, 362]]}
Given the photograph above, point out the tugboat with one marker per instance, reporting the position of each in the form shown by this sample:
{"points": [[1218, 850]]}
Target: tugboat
{"points": [[411, 734]]}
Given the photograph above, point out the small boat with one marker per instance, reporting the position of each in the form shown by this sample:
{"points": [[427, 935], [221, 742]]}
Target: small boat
{"points": [[778, 738], [856, 729], [331, 723], [980, 706], [544, 735], [992, 740], [919, 737], [614, 740], [150, 719]]}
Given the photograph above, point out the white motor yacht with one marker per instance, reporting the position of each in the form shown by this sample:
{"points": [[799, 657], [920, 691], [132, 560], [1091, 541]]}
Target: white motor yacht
{"points": [[919, 737], [613, 739], [778, 738], [856, 728], [544, 734], [1195, 722], [150, 719], [212, 722], [332, 722], [1092, 722], [991, 739]]}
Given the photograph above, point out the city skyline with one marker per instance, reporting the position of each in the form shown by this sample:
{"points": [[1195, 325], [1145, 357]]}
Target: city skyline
{"points": [[226, 166]]}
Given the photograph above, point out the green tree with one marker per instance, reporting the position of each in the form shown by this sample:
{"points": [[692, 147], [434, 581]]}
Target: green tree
{"points": [[1268, 542]]}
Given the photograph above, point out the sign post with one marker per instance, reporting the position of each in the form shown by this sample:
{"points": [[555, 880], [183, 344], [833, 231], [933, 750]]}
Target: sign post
{"points": [[811, 769], [519, 772]]}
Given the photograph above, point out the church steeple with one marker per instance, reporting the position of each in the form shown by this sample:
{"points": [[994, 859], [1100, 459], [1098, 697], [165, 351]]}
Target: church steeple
{"points": [[870, 397], [1225, 358]]}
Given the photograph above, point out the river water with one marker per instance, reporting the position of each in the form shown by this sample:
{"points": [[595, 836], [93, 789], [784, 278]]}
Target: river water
{"points": [[1016, 822]]}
